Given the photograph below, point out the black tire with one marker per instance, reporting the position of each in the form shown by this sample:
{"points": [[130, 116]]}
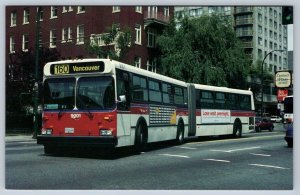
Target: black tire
{"points": [[271, 129], [180, 133], [140, 138], [237, 130], [290, 144]]}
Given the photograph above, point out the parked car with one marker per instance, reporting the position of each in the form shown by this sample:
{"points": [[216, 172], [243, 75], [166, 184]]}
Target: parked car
{"points": [[276, 119], [289, 135], [263, 124]]}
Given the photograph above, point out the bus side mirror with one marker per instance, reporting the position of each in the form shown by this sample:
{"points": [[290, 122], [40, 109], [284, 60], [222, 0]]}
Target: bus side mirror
{"points": [[122, 99]]}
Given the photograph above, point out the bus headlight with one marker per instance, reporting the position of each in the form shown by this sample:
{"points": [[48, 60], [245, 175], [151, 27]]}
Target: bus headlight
{"points": [[105, 132], [46, 132]]}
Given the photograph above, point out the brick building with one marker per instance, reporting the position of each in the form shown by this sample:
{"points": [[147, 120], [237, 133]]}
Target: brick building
{"points": [[68, 30]]}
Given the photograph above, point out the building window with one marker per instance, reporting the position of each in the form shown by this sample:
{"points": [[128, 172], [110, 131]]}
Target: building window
{"points": [[151, 38], [67, 9], [69, 34], [137, 62], [53, 12], [138, 34], [26, 16], [260, 53], [138, 9], [80, 34], [275, 14], [259, 17], [53, 38], [116, 9], [212, 10], [25, 42], [13, 19], [80, 9], [41, 13], [260, 42], [12, 44], [275, 35], [260, 29], [166, 11], [64, 35], [151, 65], [271, 45], [271, 34]]}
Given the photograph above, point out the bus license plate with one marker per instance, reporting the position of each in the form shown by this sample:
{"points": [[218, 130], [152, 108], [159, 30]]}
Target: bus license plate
{"points": [[69, 130]]}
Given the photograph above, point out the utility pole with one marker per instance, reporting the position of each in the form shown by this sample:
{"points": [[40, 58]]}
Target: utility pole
{"points": [[36, 75]]}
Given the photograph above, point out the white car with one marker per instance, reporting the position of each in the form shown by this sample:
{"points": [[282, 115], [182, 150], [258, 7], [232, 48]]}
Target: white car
{"points": [[276, 119]]}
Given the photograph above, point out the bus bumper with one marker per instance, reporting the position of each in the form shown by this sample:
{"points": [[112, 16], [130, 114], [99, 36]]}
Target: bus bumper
{"points": [[103, 142]]}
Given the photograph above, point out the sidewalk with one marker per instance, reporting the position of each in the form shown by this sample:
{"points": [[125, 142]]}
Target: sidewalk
{"points": [[9, 137]]}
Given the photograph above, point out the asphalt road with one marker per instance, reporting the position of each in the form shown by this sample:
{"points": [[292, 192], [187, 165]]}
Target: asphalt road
{"points": [[258, 161]]}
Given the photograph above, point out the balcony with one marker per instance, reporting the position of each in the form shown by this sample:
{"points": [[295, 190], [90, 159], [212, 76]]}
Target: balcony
{"points": [[243, 10], [244, 33], [244, 21], [155, 19], [247, 44]]}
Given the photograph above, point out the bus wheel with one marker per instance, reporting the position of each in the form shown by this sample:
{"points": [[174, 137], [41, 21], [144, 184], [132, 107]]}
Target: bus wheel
{"points": [[237, 130], [180, 133], [140, 138]]}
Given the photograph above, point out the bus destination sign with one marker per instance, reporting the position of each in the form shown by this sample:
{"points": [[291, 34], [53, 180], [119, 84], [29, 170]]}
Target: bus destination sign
{"points": [[73, 68]]}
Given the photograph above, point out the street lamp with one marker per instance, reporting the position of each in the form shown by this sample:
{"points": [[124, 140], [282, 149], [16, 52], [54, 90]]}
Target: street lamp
{"points": [[262, 85]]}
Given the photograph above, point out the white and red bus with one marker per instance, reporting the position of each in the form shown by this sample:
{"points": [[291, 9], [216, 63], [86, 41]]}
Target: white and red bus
{"points": [[105, 103]]}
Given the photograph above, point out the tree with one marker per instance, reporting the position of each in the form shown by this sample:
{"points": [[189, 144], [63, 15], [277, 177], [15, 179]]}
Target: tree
{"points": [[257, 75], [203, 50], [116, 43]]}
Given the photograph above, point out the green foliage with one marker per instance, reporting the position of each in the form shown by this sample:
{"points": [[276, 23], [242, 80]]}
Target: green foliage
{"points": [[203, 50], [116, 43]]}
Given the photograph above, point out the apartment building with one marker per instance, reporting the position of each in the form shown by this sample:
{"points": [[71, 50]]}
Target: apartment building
{"points": [[261, 31], [259, 28], [70, 29]]}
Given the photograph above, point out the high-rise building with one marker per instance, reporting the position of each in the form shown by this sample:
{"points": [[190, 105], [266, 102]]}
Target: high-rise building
{"points": [[261, 31], [259, 28]]}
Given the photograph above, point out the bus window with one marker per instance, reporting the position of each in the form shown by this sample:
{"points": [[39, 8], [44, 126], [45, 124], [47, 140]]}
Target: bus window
{"points": [[154, 91], [232, 101], [220, 100], [139, 88], [123, 88], [59, 93], [179, 97], [168, 97], [95, 92], [245, 102], [207, 99]]}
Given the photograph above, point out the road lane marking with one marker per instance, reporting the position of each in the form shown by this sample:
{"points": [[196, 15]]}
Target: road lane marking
{"points": [[260, 154], [269, 166], [173, 155], [217, 160], [189, 148], [240, 149], [241, 139]]}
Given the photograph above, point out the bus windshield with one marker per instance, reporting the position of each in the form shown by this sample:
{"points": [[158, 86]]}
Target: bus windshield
{"points": [[59, 93], [91, 93], [95, 93]]}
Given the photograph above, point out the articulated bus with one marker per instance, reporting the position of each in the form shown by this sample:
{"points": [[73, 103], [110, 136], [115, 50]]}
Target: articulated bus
{"points": [[109, 104]]}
